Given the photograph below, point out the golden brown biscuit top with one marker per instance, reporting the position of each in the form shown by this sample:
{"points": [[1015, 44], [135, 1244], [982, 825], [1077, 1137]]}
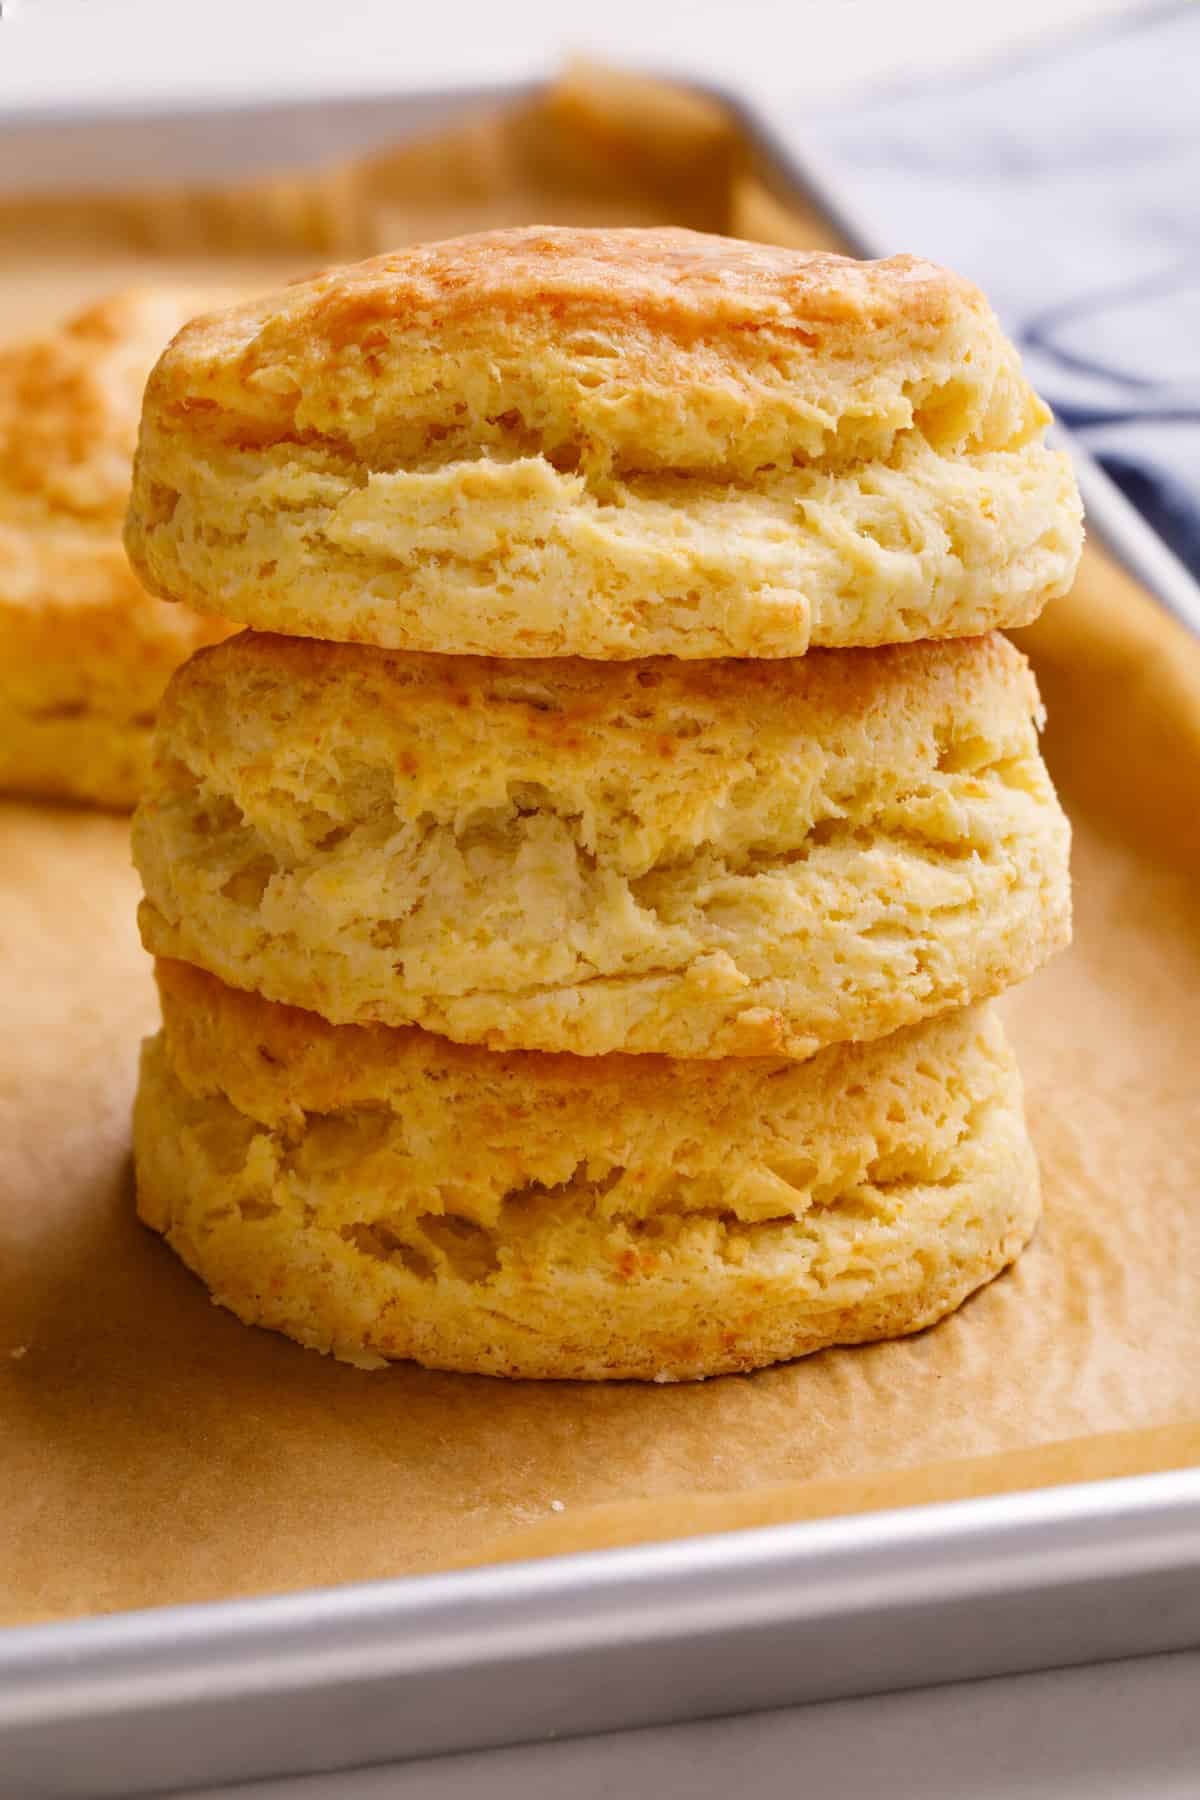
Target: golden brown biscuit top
{"points": [[679, 279], [601, 350], [70, 402], [569, 704]]}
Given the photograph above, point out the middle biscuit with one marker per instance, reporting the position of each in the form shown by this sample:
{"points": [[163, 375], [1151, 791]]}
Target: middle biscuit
{"points": [[696, 859]]}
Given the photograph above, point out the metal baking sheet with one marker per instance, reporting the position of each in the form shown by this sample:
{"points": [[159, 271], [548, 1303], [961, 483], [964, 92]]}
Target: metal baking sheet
{"points": [[754, 1619], [141, 1702]]}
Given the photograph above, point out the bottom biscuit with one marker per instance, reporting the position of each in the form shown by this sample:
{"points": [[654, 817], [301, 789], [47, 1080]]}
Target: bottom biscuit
{"points": [[381, 1193]]}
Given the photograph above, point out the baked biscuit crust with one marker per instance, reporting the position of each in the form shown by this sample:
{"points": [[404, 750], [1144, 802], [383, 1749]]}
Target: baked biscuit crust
{"points": [[84, 651], [552, 442], [701, 860], [385, 1194]]}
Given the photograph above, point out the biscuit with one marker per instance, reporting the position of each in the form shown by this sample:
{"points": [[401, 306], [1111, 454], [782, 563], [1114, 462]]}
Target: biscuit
{"points": [[612, 444], [383, 1193], [84, 651], [697, 859]]}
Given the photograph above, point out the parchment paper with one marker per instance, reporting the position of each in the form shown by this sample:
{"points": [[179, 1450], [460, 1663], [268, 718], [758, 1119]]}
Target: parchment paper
{"points": [[153, 1450]]}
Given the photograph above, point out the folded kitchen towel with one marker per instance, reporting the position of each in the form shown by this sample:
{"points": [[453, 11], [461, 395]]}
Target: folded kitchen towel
{"points": [[1066, 185]]}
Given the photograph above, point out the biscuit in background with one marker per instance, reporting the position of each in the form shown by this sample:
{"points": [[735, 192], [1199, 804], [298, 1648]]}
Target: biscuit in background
{"points": [[605, 443], [386, 1194], [84, 651], [698, 859]]}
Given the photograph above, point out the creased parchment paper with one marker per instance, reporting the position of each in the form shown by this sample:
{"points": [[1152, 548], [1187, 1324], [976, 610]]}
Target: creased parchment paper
{"points": [[153, 1450]]}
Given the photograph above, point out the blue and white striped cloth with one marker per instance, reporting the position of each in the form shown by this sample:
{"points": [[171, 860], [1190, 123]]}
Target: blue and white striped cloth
{"points": [[1068, 186]]}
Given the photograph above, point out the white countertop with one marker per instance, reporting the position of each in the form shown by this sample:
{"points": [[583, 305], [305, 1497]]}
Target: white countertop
{"points": [[118, 53], [1121, 1731]]}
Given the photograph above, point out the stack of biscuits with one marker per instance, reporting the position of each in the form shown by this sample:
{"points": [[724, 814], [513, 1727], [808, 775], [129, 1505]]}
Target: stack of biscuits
{"points": [[578, 896]]}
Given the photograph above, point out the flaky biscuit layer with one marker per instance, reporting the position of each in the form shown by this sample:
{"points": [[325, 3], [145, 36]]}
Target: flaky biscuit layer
{"points": [[704, 860], [382, 1194]]}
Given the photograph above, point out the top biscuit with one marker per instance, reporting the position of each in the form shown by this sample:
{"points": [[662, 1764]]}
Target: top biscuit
{"points": [[604, 443]]}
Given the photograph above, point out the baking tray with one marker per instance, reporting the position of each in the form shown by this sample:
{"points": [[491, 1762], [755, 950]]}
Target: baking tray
{"points": [[139, 1702]]}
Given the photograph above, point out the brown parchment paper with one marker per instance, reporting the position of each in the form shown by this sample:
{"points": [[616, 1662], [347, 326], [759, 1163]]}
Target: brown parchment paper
{"points": [[153, 1450]]}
